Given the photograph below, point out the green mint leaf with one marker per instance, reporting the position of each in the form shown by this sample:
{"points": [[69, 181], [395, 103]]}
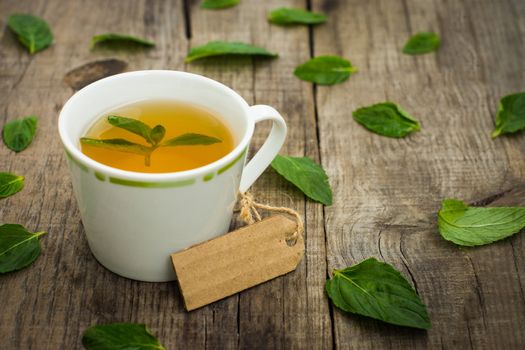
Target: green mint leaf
{"points": [[10, 184], [285, 15], [18, 247], [376, 289], [116, 38], [325, 70], [511, 115], [422, 43], [191, 139], [472, 226], [117, 145], [157, 134], [33, 32], [132, 125], [122, 336], [224, 48], [18, 134], [307, 175], [386, 119], [218, 4]]}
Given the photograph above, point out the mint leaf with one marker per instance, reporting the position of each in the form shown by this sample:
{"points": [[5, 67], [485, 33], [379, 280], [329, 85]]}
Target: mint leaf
{"points": [[375, 289], [122, 336], [116, 38], [132, 125], [421, 43], [472, 226], [157, 134], [18, 134], [191, 139], [286, 15], [117, 145], [307, 175], [218, 4], [511, 114], [325, 70], [33, 32], [224, 48], [10, 184], [18, 247], [386, 119]]}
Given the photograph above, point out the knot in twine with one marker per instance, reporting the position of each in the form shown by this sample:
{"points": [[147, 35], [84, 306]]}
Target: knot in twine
{"points": [[249, 214]]}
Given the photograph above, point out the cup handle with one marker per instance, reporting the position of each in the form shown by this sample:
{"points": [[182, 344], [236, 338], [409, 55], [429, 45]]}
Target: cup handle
{"points": [[269, 149]]}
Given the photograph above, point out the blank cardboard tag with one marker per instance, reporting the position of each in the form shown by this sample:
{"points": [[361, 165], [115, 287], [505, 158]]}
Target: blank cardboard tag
{"points": [[238, 260]]}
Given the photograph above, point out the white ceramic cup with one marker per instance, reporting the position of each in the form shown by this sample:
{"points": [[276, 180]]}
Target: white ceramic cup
{"points": [[133, 221]]}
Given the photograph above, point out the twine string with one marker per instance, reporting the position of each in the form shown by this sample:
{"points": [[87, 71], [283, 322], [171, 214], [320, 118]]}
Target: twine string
{"points": [[249, 214]]}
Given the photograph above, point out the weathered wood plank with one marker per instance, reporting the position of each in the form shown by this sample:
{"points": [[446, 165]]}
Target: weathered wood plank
{"points": [[291, 311], [50, 304], [387, 191]]}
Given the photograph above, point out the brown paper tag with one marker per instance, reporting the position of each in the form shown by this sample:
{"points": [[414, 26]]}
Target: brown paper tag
{"points": [[238, 260]]}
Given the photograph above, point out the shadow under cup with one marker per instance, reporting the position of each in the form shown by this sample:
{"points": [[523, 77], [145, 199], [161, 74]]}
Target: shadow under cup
{"points": [[133, 221]]}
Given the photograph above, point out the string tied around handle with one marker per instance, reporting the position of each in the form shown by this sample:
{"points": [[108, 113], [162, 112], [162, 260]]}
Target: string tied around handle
{"points": [[249, 214]]}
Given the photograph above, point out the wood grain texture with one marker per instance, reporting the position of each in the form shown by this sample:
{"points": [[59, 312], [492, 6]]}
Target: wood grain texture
{"points": [[386, 191]]}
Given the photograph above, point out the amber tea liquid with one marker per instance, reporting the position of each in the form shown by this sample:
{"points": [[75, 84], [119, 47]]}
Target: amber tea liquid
{"points": [[177, 118]]}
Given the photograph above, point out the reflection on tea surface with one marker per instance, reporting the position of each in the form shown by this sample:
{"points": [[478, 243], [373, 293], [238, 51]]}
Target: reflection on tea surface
{"points": [[157, 136]]}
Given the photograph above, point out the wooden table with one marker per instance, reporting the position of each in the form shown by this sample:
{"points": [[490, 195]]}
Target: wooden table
{"points": [[386, 191]]}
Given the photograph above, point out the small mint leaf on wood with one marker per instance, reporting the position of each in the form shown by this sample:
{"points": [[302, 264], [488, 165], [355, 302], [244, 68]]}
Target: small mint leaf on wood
{"points": [[120, 336], [325, 70], [377, 290], [19, 133], [306, 175], [18, 247], [224, 48], [33, 32], [10, 184], [386, 119], [473, 226], [510, 117]]}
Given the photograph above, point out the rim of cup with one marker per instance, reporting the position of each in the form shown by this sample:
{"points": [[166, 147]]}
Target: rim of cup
{"points": [[72, 147]]}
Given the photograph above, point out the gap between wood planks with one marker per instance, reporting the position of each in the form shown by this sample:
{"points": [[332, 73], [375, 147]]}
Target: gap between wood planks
{"points": [[309, 7]]}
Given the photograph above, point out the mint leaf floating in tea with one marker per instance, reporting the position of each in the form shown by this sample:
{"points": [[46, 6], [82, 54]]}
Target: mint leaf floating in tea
{"points": [[308, 176], [132, 125], [376, 289], [32, 32], [472, 226], [18, 247], [153, 136], [191, 139], [422, 43], [511, 115], [386, 119], [224, 48], [218, 4], [116, 38], [18, 134], [120, 145], [10, 184], [325, 70], [286, 15], [157, 134], [120, 336]]}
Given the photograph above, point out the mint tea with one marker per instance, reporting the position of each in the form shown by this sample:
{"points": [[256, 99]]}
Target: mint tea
{"points": [[157, 136]]}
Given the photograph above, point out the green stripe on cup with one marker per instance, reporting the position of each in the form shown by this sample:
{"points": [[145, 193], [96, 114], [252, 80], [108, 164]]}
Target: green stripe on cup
{"points": [[151, 184], [232, 163], [208, 177], [74, 161], [100, 176]]}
